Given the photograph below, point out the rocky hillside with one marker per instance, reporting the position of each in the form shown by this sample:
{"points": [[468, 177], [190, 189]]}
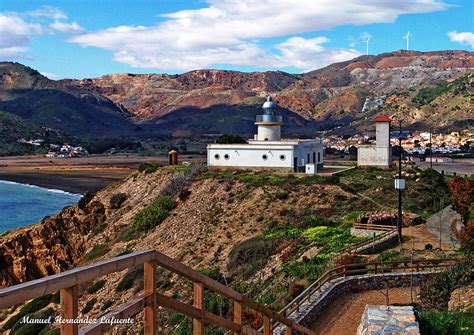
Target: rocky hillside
{"points": [[264, 235], [26, 93], [339, 94]]}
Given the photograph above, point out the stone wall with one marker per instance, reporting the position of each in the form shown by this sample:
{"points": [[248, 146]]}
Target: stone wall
{"points": [[316, 305], [388, 320]]}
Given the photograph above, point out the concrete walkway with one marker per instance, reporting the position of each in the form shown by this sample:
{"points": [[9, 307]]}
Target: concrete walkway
{"points": [[440, 223]]}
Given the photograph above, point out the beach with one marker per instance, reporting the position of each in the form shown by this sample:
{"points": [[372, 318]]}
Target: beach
{"points": [[75, 175]]}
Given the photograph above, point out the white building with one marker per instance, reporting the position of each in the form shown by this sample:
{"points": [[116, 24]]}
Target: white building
{"points": [[267, 150], [379, 154]]}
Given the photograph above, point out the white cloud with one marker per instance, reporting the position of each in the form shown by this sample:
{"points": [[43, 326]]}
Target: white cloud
{"points": [[466, 38], [64, 27], [48, 12], [227, 32], [15, 35]]}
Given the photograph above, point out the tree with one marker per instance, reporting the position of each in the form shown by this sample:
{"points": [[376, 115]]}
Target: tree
{"points": [[230, 139], [462, 190]]}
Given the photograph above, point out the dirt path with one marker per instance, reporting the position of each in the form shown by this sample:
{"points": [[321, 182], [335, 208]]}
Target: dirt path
{"points": [[343, 316]]}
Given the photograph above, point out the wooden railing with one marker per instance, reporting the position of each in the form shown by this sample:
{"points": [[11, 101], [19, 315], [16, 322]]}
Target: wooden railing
{"points": [[373, 226], [367, 241], [360, 269], [69, 284]]}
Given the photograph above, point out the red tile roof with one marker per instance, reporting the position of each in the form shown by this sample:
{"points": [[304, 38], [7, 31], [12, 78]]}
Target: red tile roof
{"points": [[382, 118]]}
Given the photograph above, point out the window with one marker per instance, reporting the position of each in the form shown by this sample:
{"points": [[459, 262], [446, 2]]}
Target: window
{"points": [[282, 157], [264, 157], [319, 157], [226, 156], [308, 161], [216, 156], [314, 157]]}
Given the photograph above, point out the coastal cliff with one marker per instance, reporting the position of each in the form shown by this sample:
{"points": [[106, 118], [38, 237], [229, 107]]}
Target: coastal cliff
{"points": [[49, 247]]}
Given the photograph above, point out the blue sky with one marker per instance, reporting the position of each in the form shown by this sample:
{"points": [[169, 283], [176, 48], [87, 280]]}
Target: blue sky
{"points": [[83, 38]]}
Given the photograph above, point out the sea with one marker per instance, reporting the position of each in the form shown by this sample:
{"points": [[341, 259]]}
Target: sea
{"points": [[22, 204]]}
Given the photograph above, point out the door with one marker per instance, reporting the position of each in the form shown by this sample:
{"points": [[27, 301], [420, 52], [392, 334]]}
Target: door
{"points": [[295, 164]]}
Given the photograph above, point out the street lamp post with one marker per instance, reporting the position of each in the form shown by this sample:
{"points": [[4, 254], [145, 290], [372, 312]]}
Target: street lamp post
{"points": [[400, 186], [431, 150]]}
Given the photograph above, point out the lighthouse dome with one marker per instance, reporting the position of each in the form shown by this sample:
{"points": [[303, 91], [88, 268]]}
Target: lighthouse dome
{"points": [[269, 104]]}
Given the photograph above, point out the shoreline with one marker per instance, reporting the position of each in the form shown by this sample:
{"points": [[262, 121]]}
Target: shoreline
{"points": [[52, 190]]}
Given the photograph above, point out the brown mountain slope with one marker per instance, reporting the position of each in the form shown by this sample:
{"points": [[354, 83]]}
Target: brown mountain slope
{"points": [[334, 95]]}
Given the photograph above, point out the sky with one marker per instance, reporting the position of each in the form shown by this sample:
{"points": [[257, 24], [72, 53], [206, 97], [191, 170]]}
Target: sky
{"points": [[85, 38]]}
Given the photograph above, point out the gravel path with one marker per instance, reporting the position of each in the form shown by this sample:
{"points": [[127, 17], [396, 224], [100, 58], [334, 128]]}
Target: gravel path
{"points": [[343, 316]]}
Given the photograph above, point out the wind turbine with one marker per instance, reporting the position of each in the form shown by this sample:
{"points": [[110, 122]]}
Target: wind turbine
{"points": [[407, 37], [367, 42]]}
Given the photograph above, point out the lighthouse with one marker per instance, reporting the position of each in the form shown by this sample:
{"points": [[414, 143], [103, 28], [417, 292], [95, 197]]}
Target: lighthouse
{"points": [[267, 150], [269, 124], [379, 154]]}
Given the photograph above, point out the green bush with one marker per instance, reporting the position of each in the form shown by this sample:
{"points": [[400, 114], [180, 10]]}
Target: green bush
{"points": [[106, 304], [153, 214], [32, 328], [132, 275], [147, 167], [97, 251], [282, 195], [88, 306], [85, 199], [31, 307], [117, 200], [230, 139], [96, 286], [249, 256], [435, 294], [213, 273], [446, 322]]}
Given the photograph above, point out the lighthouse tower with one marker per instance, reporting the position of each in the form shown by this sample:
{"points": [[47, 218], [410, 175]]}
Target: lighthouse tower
{"points": [[269, 124]]}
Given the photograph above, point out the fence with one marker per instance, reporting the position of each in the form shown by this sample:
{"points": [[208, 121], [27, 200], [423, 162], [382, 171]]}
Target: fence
{"points": [[69, 282]]}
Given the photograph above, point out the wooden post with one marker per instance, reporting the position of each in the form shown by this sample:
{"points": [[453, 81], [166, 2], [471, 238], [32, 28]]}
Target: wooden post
{"points": [[267, 326], [288, 330], [69, 307], [237, 314], [149, 285], [198, 323]]}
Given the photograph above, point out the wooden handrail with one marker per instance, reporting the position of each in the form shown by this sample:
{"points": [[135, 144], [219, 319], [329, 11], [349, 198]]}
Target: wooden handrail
{"points": [[68, 282], [348, 270]]}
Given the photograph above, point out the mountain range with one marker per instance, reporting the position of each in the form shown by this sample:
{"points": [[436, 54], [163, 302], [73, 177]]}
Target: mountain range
{"points": [[424, 89]]}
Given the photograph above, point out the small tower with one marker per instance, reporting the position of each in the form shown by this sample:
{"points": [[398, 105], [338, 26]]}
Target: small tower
{"points": [[269, 124], [382, 131]]}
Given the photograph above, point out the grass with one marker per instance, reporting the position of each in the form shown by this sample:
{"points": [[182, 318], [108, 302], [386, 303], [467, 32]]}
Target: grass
{"points": [[33, 328], [258, 179]]}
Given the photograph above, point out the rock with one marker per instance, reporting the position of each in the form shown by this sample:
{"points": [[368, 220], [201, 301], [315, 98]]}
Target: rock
{"points": [[462, 298], [388, 320]]}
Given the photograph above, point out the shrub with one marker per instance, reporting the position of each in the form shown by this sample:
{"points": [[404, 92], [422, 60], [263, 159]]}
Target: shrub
{"points": [[435, 294], [106, 304], [428, 246], [447, 322], [230, 139], [31, 307], [32, 328], [97, 251], [129, 279], [147, 167], [96, 286], [213, 273], [247, 257], [85, 199], [117, 200], [88, 306], [282, 195], [153, 214]]}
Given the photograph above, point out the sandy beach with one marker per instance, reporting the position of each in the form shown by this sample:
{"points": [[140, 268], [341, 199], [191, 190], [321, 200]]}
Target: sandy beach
{"points": [[75, 175]]}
